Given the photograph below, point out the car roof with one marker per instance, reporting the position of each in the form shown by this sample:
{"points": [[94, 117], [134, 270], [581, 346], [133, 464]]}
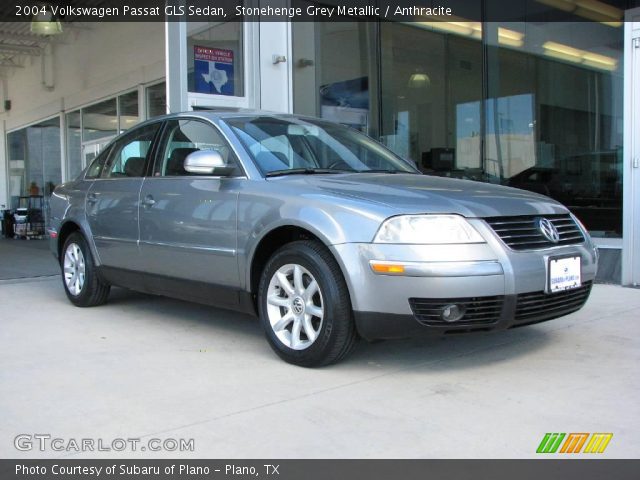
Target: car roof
{"points": [[226, 113]]}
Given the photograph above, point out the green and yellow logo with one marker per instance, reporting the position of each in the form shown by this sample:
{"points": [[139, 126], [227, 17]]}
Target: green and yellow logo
{"points": [[574, 442]]}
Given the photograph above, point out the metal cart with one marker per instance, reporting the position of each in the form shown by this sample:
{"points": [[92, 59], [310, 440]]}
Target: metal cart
{"points": [[29, 218]]}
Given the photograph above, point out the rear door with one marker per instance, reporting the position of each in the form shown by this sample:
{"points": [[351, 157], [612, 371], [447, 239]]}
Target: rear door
{"points": [[188, 221], [113, 200]]}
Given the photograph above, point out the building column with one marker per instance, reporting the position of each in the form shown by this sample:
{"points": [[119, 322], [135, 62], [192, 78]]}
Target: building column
{"points": [[4, 168], [631, 151], [275, 66], [176, 66]]}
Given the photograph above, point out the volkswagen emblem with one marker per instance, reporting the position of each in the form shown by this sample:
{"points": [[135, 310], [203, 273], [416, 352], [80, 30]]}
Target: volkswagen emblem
{"points": [[548, 230]]}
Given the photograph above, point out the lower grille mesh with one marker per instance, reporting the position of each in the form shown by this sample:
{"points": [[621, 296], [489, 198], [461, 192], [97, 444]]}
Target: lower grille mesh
{"points": [[539, 306]]}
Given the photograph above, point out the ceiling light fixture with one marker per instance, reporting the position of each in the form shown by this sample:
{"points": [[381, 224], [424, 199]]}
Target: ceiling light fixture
{"points": [[44, 23], [419, 79], [576, 55], [511, 38]]}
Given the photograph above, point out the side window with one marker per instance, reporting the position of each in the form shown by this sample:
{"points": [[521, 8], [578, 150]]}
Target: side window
{"points": [[128, 155], [188, 136], [95, 168]]}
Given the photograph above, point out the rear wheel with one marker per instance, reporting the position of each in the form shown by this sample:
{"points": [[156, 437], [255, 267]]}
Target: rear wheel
{"points": [[79, 277], [304, 305]]}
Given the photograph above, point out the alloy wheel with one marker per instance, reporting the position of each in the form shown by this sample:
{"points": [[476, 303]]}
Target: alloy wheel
{"points": [[74, 269], [294, 306]]}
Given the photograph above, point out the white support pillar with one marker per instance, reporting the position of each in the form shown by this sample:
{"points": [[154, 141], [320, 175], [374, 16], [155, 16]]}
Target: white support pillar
{"points": [[142, 104], [64, 168], [631, 153], [176, 66], [4, 167], [275, 66]]}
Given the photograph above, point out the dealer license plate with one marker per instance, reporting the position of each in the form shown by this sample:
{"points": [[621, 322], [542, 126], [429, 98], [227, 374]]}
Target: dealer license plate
{"points": [[564, 273]]}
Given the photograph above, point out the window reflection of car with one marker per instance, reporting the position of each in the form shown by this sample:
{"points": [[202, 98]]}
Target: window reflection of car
{"points": [[595, 189], [546, 181], [320, 231], [596, 177]]}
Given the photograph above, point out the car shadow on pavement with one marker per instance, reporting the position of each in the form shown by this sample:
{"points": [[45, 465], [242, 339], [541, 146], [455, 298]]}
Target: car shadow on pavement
{"points": [[452, 352], [449, 352], [182, 312]]}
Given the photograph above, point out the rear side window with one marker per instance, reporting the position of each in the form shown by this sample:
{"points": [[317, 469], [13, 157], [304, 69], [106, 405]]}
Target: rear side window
{"points": [[188, 136], [128, 156]]}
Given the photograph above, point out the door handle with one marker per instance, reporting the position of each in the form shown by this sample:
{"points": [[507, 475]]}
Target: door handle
{"points": [[148, 201], [92, 198]]}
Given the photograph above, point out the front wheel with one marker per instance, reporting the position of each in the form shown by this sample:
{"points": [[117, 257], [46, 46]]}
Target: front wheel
{"points": [[305, 307], [79, 277]]}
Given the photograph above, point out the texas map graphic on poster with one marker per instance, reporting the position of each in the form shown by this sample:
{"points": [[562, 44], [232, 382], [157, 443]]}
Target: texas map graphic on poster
{"points": [[213, 70]]}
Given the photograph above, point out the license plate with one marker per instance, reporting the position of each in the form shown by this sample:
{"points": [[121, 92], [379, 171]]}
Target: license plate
{"points": [[564, 273]]}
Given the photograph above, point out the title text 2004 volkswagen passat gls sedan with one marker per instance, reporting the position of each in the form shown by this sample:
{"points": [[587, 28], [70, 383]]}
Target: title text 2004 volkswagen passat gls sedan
{"points": [[320, 230]]}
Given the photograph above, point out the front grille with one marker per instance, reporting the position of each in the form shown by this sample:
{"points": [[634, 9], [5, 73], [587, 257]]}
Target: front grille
{"points": [[522, 233], [478, 310], [540, 306]]}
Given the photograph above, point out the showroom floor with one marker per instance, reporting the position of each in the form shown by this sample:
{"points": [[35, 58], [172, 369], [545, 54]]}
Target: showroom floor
{"points": [[150, 367]]}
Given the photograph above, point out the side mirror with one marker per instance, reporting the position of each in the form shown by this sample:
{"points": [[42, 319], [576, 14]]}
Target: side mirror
{"points": [[207, 162]]}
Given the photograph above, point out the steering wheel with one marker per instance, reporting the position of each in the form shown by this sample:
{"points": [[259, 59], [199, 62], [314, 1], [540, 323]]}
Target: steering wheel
{"points": [[339, 163]]}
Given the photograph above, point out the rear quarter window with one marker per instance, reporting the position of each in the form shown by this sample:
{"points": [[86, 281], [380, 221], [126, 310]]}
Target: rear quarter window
{"points": [[95, 168]]}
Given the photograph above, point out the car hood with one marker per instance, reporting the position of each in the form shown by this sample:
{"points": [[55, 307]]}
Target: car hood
{"points": [[408, 193]]}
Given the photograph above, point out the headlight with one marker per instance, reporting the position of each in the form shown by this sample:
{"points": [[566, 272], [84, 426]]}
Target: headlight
{"points": [[427, 229]]}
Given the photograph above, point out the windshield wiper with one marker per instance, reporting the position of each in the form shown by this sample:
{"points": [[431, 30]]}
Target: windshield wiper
{"points": [[302, 171], [383, 170]]}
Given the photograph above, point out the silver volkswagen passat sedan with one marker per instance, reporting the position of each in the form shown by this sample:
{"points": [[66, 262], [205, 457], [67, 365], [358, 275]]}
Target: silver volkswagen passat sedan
{"points": [[319, 230]]}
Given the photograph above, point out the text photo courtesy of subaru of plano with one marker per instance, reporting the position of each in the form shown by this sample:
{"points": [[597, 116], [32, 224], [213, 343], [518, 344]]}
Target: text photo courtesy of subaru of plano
{"points": [[321, 231]]}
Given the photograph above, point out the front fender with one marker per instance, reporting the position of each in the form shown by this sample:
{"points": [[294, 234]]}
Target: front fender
{"points": [[332, 224]]}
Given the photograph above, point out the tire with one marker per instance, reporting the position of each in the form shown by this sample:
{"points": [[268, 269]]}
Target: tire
{"points": [[82, 290], [325, 331]]}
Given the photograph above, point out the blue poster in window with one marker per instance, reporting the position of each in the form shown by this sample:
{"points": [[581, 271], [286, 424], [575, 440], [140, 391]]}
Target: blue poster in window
{"points": [[213, 70]]}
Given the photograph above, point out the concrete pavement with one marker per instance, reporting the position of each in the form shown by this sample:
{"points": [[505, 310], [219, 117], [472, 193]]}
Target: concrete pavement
{"points": [[26, 259], [151, 367]]}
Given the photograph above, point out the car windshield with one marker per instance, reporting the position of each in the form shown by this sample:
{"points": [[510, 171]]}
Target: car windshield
{"points": [[281, 146]]}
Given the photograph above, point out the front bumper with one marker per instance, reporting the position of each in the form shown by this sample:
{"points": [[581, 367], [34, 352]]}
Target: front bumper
{"points": [[503, 288], [373, 325]]}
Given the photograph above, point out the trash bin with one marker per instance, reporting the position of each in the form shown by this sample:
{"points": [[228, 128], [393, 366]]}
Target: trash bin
{"points": [[7, 223]]}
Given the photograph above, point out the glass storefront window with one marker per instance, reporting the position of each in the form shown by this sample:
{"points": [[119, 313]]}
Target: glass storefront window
{"points": [[45, 142], [431, 97], [17, 153], [91, 128], [74, 144], [532, 104], [215, 58], [100, 121], [333, 60], [34, 161], [128, 110], [156, 100], [554, 116]]}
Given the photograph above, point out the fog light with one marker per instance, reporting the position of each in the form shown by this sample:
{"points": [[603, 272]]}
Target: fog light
{"points": [[452, 312]]}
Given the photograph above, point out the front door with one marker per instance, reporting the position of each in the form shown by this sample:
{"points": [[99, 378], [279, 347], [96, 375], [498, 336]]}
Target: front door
{"points": [[188, 221], [113, 199]]}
